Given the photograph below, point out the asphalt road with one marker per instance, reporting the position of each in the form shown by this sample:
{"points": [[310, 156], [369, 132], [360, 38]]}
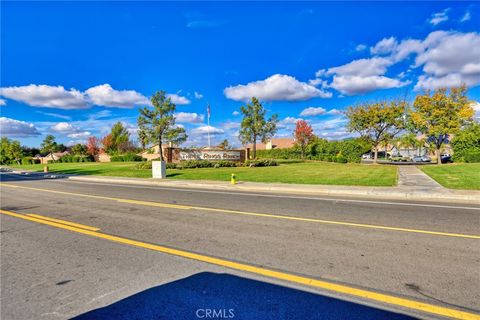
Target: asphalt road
{"points": [[193, 254]]}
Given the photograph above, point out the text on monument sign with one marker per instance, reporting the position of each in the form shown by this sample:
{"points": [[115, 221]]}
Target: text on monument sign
{"points": [[210, 155]]}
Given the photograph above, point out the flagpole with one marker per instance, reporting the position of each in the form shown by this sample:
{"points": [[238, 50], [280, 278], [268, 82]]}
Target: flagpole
{"points": [[208, 124]]}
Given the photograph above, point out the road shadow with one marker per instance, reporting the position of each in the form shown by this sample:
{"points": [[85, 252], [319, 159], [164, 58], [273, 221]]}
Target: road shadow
{"points": [[209, 295], [28, 176]]}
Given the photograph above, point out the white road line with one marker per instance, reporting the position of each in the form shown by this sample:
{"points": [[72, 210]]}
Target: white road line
{"points": [[240, 193]]}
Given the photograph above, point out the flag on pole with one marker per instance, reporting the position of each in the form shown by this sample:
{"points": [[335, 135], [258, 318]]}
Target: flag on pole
{"points": [[208, 111]]}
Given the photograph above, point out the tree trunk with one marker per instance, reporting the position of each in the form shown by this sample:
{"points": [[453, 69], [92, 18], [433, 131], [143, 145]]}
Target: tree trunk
{"points": [[375, 155], [303, 152], [51, 154], [160, 148], [254, 147], [437, 153]]}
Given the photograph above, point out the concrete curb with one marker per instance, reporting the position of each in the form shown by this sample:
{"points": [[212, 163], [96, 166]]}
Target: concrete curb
{"points": [[397, 193]]}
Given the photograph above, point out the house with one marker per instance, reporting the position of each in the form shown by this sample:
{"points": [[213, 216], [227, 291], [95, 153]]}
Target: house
{"points": [[274, 143]]}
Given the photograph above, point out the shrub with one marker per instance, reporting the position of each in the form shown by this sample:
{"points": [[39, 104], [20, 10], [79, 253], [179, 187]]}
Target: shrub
{"points": [[74, 158], [261, 163], [224, 163], [169, 165], [467, 141], [30, 160], [128, 157], [472, 156], [341, 159]]}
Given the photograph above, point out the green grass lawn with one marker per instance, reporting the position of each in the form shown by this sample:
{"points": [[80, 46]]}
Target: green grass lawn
{"points": [[455, 176], [304, 172]]}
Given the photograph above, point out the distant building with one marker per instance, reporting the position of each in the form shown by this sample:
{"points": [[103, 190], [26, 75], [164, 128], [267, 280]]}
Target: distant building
{"points": [[274, 143]]}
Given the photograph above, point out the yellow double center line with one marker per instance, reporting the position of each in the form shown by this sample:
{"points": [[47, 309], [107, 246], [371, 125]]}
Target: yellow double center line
{"points": [[342, 289], [256, 214]]}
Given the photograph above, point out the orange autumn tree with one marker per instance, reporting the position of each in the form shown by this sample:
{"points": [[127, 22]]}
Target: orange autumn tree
{"points": [[303, 134], [92, 146]]}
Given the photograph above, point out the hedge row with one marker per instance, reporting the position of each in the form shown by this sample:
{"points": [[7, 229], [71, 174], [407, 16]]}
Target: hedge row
{"points": [[129, 157], [349, 150], [191, 164], [472, 156], [30, 160]]}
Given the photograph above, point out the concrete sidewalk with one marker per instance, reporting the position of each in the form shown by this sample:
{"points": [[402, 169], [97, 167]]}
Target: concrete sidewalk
{"points": [[413, 184]]}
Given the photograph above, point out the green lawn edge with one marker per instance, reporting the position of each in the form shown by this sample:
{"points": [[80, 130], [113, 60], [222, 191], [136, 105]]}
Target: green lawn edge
{"points": [[464, 176], [311, 172]]}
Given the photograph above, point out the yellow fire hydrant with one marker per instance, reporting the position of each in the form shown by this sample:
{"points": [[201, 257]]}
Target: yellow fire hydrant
{"points": [[45, 169], [233, 179]]}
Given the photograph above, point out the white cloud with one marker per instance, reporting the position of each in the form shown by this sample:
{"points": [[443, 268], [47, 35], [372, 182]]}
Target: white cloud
{"points": [[60, 98], [360, 47], [105, 95], [189, 117], [386, 45], [466, 17], [64, 127], [178, 99], [46, 96], [352, 85], [312, 111], [362, 67], [235, 113], [476, 106], [204, 130], [335, 112], [230, 125], [452, 59], [3, 102], [15, 128], [198, 95], [55, 115], [277, 87], [439, 17], [80, 135], [289, 120]]}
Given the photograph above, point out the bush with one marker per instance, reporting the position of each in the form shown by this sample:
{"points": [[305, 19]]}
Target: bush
{"points": [[289, 153], [341, 159], [261, 163], [472, 156], [73, 158], [321, 149], [466, 142], [30, 160], [128, 157], [169, 165]]}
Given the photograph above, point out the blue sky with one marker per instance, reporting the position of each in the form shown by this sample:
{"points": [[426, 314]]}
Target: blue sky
{"points": [[73, 69]]}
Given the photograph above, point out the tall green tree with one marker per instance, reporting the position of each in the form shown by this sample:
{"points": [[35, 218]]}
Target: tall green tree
{"points": [[79, 149], [120, 136], [440, 114], [49, 145], [10, 151], [142, 138], [379, 122], [408, 141], [158, 122], [255, 126], [224, 144]]}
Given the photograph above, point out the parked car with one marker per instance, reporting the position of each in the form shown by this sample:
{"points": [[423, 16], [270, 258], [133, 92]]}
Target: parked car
{"points": [[423, 158], [446, 158], [371, 155]]}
